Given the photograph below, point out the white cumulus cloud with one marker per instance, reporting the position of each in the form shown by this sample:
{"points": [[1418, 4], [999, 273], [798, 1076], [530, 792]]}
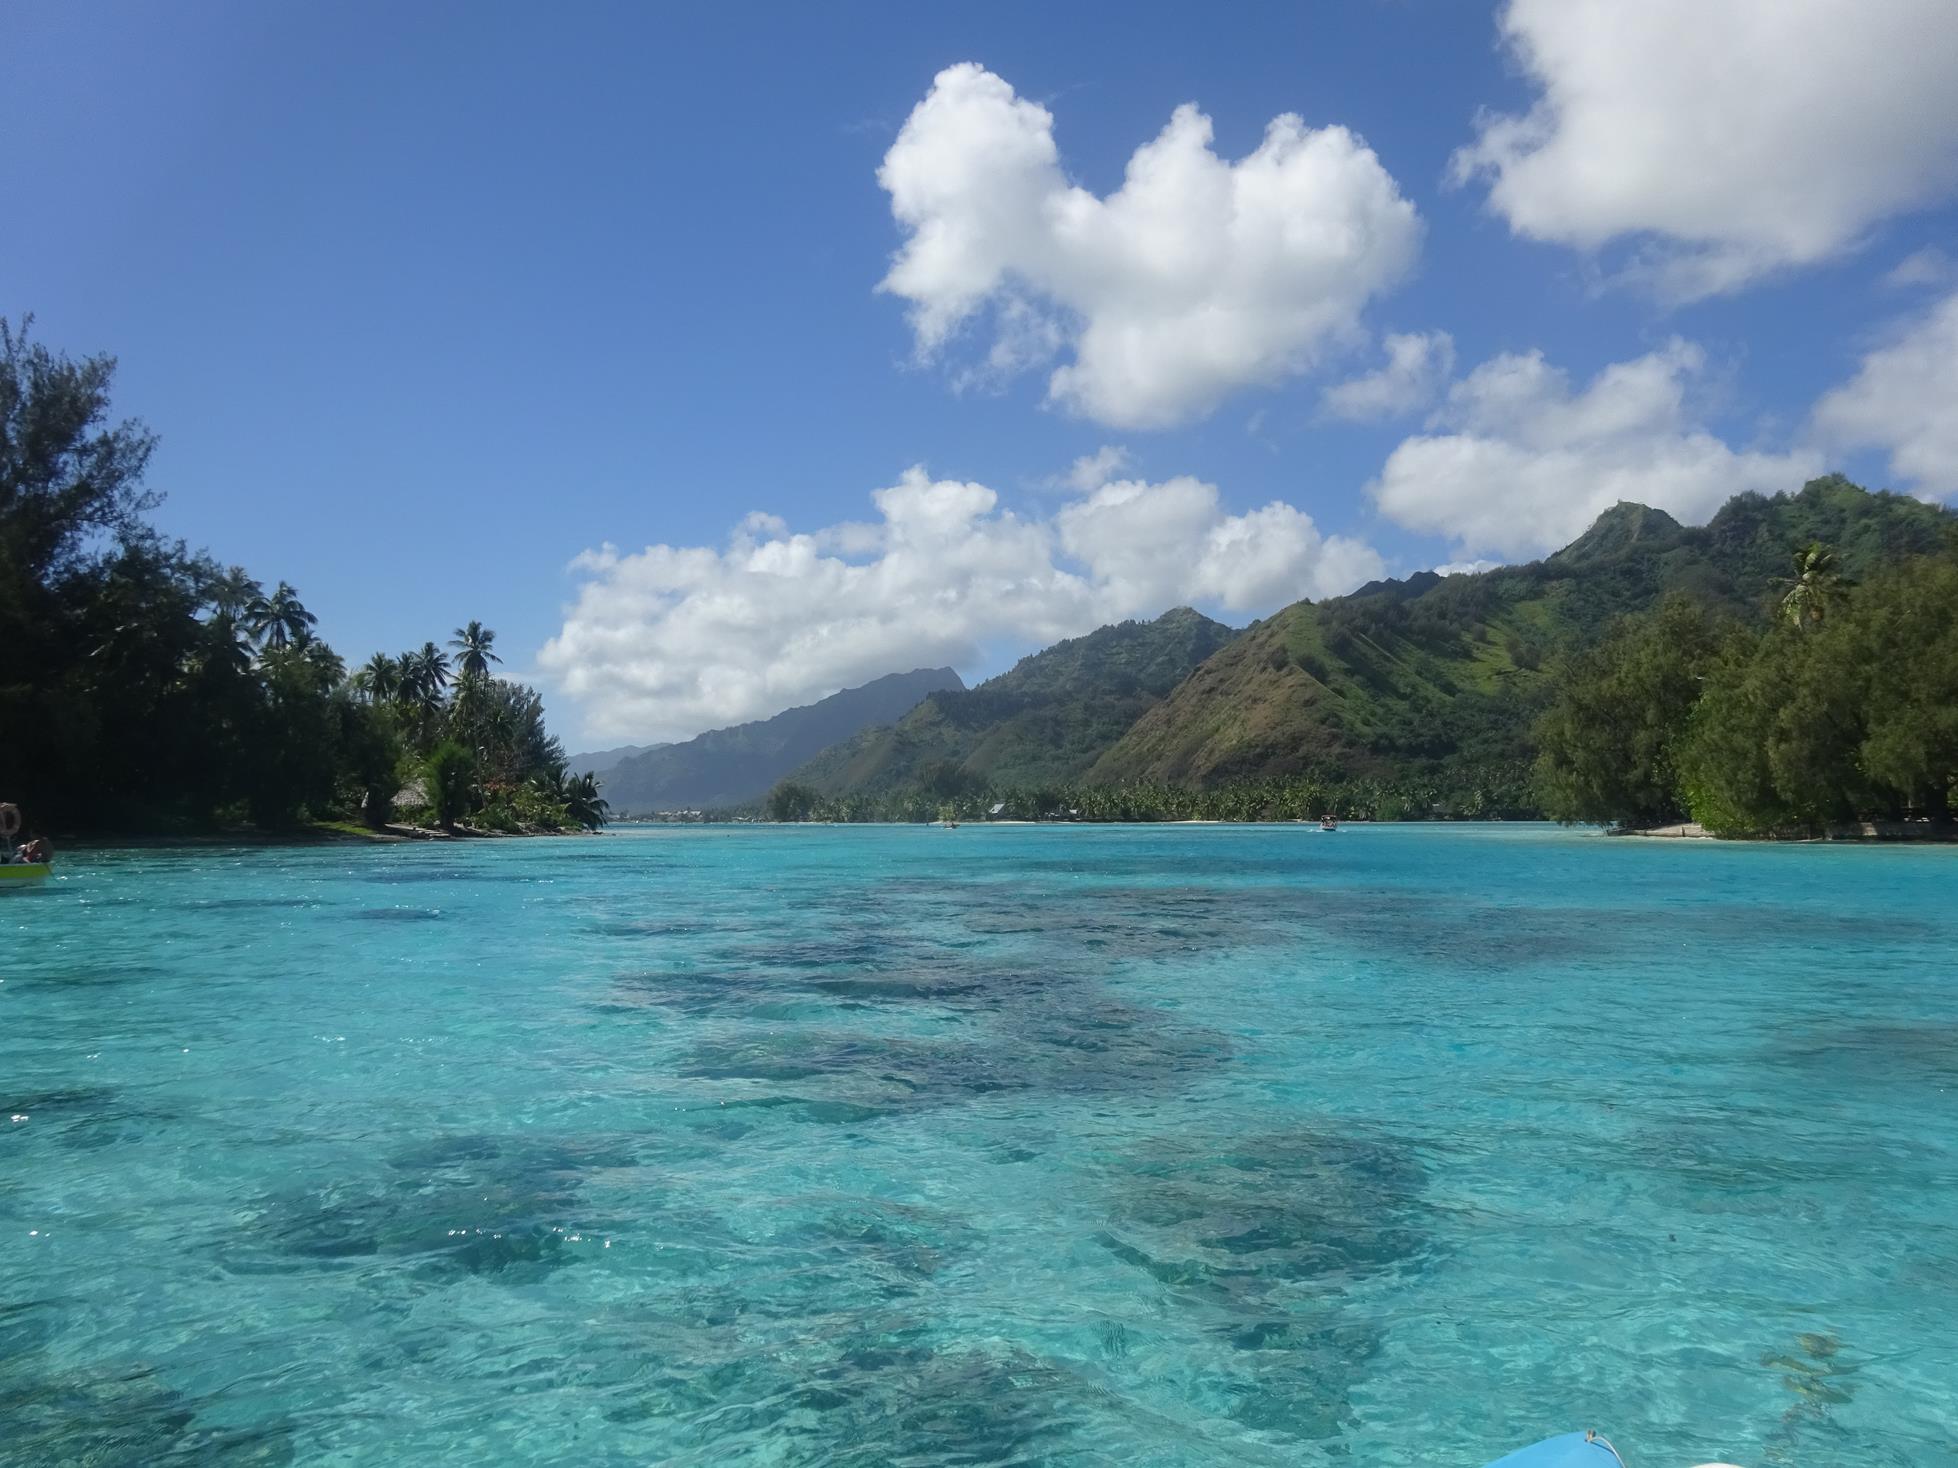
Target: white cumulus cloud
{"points": [[1151, 546], [1197, 277], [1527, 463], [1729, 139], [1418, 365], [1904, 400], [667, 641]]}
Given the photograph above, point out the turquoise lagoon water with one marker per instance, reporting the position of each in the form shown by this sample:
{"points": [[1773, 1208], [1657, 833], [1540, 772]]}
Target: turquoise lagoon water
{"points": [[1156, 1146]]}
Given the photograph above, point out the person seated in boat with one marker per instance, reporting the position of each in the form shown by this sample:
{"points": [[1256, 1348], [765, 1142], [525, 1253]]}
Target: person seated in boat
{"points": [[36, 850]]}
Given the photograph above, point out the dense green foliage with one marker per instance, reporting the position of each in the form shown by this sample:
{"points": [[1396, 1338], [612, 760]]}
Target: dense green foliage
{"points": [[143, 687], [450, 773], [1443, 677], [1611, 738], [794, 801], [1045, 720], [1844, 709]]}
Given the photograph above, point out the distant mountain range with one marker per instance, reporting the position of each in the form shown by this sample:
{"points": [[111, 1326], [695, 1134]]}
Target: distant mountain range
{"points": [[1432, 676], [1044, 721], [601, 760], [731, 767]]}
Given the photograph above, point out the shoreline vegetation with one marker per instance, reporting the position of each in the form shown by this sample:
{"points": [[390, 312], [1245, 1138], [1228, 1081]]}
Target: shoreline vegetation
{"points": [[1840, 715], [312, 833], [1920, 832], [146, 687], [333, 833]]}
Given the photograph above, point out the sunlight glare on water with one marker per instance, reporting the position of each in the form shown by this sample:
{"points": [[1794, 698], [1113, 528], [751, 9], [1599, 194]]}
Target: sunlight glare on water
{"points": [[866, 1146]]}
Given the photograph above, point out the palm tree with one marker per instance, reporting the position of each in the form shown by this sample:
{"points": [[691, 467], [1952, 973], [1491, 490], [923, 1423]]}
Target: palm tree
{"points": [[423, 675], [327, 665], [474, 642], [1816, 585], [233, 593], [225, 648], [407, 677], [433, 664], [583, 803], [551, 783], [281, 618]]}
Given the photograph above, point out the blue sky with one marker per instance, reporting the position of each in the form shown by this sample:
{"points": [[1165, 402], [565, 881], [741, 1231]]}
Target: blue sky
{"points": [[427, 302]]}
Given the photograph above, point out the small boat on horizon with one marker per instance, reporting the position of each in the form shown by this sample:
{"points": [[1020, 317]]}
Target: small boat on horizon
{"points": [[1328, 823]]}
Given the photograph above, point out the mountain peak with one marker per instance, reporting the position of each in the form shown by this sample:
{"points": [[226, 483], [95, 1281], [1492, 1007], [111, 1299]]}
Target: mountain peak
{"points": [[1619, 528]]}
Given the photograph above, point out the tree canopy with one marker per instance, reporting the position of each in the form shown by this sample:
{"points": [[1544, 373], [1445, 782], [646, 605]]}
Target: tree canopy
{"points": [[1844, 708], [1609, 743], [146, 688]]}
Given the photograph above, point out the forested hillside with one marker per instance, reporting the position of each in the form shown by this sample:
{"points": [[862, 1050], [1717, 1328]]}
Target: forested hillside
{"points": [[1440, 678], [1044, 721]]}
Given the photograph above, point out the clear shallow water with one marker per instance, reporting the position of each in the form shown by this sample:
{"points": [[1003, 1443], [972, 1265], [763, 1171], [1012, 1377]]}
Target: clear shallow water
{"points": [[1158, 1146]]}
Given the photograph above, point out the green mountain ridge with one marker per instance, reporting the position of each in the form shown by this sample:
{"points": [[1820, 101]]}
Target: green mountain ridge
{"points": [[1043, 721], [1443, 676], [1432, 682]]}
